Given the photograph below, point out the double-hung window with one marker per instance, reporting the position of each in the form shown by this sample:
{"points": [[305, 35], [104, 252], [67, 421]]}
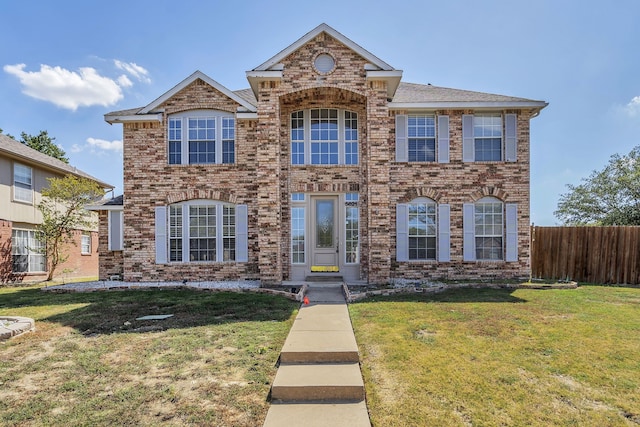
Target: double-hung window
{"points": [[489, 137], [490, 229], [423, 231], [27, 252], [201, 137], [202, 231], [22, 183], [85, 244], [422, 138], [324, 136]]}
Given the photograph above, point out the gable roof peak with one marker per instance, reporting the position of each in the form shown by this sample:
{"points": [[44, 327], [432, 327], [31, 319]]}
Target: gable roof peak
{"points": [[272, 63], [186, 82]]}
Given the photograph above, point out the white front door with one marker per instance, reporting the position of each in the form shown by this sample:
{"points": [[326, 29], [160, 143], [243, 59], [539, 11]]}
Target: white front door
{"points": [[324, 234]]}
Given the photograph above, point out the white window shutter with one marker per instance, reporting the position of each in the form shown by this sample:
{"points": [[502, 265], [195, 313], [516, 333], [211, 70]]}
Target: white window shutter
{"points": [[443, 139], [402, 233], [512, 231], [468, 151], [161, 235], [402, 154], [444, 233], [511, 137], [468, 230], [116, 232], [242, 232]]}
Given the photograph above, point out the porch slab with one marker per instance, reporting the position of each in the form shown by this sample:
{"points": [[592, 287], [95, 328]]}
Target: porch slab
{"points": [[322, 317], [318, 415]]}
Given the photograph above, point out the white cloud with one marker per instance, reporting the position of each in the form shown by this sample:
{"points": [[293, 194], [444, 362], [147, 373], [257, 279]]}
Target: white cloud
{"points": [[65, 88], [124, 81], [134, 70], [96, 145], [633, 107], [102, 144]]}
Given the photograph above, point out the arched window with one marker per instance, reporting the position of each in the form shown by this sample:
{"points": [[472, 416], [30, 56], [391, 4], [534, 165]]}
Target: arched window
{"points": [[324, 136]]}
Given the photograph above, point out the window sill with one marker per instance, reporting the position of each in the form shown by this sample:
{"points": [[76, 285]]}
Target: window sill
{"points": [[22, 202]]}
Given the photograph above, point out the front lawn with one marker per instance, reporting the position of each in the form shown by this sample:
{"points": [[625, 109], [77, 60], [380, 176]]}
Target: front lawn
{"points": [[495, 357], [90, 362]]}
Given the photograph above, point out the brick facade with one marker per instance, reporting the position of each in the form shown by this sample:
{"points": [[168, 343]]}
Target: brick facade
{"points": [[263, 177]]}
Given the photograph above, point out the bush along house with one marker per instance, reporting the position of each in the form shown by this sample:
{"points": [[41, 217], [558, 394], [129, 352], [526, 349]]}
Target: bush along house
{"points": [[330, 165]]}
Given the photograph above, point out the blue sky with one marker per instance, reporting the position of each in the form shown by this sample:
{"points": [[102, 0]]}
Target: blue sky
{"points": [[64, 64]]}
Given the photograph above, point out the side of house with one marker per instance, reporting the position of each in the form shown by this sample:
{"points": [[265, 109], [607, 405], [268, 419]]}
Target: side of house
{"points": [[23, 175]]}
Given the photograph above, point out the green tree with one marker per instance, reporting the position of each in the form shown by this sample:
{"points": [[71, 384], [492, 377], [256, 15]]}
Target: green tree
{"points": [[44, 144], [63, 211], [608, 197]]}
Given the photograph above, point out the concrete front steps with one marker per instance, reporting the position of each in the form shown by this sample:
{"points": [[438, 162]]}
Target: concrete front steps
{"points": [[319, 382]]}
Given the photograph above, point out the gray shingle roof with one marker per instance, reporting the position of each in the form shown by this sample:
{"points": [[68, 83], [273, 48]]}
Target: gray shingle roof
{"points": [[13, 148], [247, 95], [419, 93]]}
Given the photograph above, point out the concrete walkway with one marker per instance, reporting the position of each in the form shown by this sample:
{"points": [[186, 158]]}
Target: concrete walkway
{"points": [[319, 382]]}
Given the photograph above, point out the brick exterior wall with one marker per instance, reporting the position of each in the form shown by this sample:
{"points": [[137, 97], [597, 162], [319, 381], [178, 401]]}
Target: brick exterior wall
{"points": [[78, 265], [263, 178]]}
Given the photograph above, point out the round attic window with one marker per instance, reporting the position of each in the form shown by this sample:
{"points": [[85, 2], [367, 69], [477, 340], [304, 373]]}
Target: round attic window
{"points": [[324, 63]]}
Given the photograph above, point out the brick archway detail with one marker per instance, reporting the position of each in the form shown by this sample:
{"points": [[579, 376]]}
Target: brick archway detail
{"points": [[416, 192], [196, 194], [498, 193]]}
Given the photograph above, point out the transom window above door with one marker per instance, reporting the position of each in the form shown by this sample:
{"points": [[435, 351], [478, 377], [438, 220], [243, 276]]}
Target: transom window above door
{"points": [[324, 136]]}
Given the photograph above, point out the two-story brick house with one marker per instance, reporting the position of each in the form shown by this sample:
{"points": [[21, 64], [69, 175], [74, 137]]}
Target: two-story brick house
{"points": [[24, 172], [329, 164]]}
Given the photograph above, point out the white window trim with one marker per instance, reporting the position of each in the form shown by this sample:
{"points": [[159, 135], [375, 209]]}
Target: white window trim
{"points": [[184, 137], [423, 200], [186, 235], [30, 252], [82, 245], [300, 204], [435, 137], [306, 113], [359, 230], [30, 190], [503, 227]]}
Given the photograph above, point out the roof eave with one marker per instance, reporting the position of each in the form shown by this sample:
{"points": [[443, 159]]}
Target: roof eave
{"points": [[112, 119], [392, 77], [459, 105], [104, 207], [256, 77]]}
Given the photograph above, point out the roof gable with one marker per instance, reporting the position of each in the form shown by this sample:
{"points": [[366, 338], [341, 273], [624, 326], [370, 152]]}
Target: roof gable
{"points": [[272, 63], [186, 82]]}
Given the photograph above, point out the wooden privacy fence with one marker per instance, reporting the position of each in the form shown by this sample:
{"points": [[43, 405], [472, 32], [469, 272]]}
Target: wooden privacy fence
{"points": [[608, 255]]}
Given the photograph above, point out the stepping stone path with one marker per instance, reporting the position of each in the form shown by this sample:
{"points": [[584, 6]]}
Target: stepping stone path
{"points": [[14, 326], [319, 382]]}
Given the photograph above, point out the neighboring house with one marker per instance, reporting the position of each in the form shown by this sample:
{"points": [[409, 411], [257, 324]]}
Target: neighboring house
{"points": [[328, 165], [23, 175]]}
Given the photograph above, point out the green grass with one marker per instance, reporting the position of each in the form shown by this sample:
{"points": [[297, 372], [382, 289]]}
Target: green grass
{"points": [[91, 363], [494, 357]]}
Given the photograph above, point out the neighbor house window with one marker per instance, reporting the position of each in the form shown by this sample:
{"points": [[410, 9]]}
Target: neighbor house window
{"points": [[85, 244], [489, 229], [22, 183], [202, 231], [352, 228], [201, 137], [324, 136], [26, 251]]}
